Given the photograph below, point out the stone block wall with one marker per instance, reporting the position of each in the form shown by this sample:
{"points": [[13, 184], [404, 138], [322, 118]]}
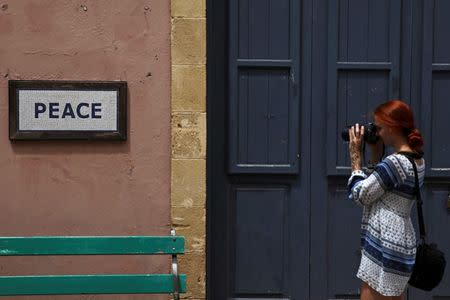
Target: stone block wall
{"points": [[188, 164]]}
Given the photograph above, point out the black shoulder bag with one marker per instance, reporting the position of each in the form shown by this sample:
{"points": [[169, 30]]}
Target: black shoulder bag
{"points": [[430, 261]]}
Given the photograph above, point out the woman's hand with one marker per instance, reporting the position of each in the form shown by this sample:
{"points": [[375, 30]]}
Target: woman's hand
{"points": [[356, 134]]}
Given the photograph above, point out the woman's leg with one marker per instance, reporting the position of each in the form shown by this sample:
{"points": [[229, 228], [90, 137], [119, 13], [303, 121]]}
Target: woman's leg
{"points": [[368, 293]]}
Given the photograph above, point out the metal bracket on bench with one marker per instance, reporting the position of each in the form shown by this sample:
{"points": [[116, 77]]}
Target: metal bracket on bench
{"points": [[176, 285]]}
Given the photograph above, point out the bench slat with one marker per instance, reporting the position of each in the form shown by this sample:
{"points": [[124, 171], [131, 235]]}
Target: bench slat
{"points": [[91, 245], [89, 284]]}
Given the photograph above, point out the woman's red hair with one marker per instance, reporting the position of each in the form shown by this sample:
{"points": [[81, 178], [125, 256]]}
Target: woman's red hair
{"points": [[397, 114]]}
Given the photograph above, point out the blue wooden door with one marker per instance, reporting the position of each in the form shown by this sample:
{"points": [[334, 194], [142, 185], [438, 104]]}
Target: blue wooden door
{"points": [[431, 87], [287, 78], [362, 43], [376, 50], [268, 225]]}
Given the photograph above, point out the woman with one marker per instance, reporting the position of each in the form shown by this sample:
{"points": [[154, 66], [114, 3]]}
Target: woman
{"points": [[388, 241]]}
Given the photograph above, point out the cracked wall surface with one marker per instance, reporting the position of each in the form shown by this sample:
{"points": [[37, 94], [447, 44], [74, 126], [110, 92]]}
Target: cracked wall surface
{"points": [[188, 192]]}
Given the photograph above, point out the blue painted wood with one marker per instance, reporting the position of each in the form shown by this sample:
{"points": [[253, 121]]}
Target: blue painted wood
{"points": [[333, 23], [364, 54], [324, 22], [435, 76], [339, 20], [437, 218], [264, 115], [218, 253], [255, 128], [358, 15], [431, 76], [260, 261], [269, 86], [441, 67], [278, 131], [435, 195], [264, 63], [263, 29], [377, 50], [342, 245], [440, 109], [240, 29], [441, 23], [395, 37], [363, 67], [280, 28], [258, 23], [297, 214], [264, 77], [358, 92], [406, 51], [378, 30]]}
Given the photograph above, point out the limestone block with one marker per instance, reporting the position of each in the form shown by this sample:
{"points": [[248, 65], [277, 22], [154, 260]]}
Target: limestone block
{"points": [[189, 135], [188, 88], [193, 265], [188, 41], [188, 187], [190, 223], [188, 8]]}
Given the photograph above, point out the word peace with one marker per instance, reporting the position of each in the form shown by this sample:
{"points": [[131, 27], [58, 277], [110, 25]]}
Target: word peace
{"points": [[83, 110]]}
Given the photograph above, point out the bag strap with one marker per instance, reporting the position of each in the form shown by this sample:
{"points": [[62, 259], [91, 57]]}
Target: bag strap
{"points": [[410, 156]]}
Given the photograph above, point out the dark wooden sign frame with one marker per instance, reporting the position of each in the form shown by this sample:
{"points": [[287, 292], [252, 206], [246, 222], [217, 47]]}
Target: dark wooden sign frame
{"points": [[16, 134]]}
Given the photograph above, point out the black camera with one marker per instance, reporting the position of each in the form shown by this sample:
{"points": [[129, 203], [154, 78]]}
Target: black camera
{"points": [[370, 133]]}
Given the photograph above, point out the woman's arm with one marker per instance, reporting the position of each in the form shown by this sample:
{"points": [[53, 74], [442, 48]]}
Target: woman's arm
{"points": [[365, 190], [356, 134]]}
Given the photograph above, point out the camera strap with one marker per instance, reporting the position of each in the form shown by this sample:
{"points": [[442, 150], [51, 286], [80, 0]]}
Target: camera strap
{"points": [[411, 156]]}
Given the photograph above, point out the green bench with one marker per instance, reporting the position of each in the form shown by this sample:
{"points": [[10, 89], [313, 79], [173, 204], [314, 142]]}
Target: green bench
{"points": [[173, 283]]}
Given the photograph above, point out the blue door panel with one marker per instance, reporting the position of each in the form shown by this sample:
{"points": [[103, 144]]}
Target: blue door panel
{"points": [[343, 244], [267, 248], [260, 240], [440, 105], [435, 71], [434, 110], [437, 213], [358, 92], [440, 121], [441, 24], [264, 29], [364, 54], [264, 63], [263, 114], [364, 34]]}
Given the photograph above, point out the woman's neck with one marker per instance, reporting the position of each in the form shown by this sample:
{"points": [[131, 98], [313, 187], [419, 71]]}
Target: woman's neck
{"points": [[402, 146], [405, 149]]}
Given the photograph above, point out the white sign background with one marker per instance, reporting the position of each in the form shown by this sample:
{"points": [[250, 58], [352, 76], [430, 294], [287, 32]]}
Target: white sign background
{"points": [[28, 98]]}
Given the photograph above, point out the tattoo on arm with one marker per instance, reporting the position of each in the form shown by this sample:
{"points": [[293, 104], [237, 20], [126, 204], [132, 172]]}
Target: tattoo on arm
{"points": [[355, 157]]}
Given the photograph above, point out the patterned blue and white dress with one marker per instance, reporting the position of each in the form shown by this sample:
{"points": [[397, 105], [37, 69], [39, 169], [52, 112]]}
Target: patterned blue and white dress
{"points": [[388, 240]]}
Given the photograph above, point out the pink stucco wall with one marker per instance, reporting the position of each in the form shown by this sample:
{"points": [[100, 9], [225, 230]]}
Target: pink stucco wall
{"points": [[80, 187]]}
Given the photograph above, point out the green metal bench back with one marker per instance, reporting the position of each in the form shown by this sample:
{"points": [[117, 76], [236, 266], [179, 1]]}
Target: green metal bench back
{"points": [[91, 284], [91, 245]]}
